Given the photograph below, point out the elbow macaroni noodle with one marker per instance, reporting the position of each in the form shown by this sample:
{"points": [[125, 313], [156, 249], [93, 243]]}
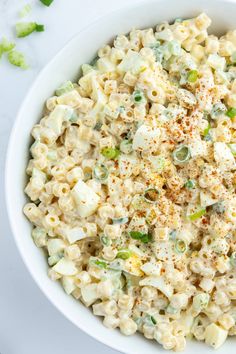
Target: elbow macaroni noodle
{"points": [[132, 184]]}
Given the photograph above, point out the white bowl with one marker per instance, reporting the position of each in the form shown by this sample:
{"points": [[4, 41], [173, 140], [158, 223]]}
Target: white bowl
{"points": [[82, 48]]}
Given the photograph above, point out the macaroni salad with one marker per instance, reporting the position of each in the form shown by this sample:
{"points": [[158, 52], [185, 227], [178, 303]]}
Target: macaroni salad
{"points": [[132, 184]]}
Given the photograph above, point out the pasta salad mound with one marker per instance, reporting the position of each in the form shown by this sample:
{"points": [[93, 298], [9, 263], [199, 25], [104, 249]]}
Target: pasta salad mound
{"points": [[132, 183]]}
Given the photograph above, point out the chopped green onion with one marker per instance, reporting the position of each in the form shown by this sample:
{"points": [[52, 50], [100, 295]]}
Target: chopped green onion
{"points": [[232, 148], [151, 195], [206, 131], [200, 301], [138, 96], [178, 20], [105, 240], [190, 184], [120, 221], [123, 254], [39, 28], [64, 88], [25, 10], [217, 110], [24, 29], [233, 259], [16, 58], [198, 214], [46, 2], [100, 172], [150, 320], [153, 320], [137, 235], [6, 46], [231, 113], [182, 154], [192, 76], [126, 146], [180, 246], [100, 263], [110, 153]]}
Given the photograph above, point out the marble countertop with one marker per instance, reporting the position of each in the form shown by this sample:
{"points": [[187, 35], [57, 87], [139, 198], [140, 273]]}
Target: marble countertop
{"points": [[29, 323]]}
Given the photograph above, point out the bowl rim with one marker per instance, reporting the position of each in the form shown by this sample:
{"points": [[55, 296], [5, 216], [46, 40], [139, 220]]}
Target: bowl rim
{"points": [[11, 148]]}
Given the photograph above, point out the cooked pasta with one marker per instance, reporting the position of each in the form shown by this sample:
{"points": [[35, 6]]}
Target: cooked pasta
{"points": [[132, 184]]}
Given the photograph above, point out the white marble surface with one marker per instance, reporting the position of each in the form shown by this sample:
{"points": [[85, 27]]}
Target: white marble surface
{"points": [[28, 322]]}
